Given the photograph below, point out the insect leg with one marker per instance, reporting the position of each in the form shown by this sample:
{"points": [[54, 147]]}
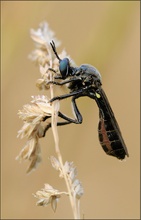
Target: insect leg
{"points": [[64, 82], [66, 95], [78, 119], [68, 121], [76, 111], [58, 124]]}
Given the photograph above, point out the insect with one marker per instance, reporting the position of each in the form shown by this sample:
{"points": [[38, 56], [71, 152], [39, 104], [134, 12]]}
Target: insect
{"points": [[86, 81]]}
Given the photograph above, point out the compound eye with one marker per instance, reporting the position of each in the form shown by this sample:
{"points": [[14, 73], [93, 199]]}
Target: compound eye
{"points": [[64, 67]]}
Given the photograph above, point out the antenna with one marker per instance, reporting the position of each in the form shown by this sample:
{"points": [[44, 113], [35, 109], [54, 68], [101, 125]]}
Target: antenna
{"points": [[54, 50]]}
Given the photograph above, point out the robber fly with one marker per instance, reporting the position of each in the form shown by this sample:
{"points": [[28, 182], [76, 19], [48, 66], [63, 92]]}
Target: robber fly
{"points": [[86, 81]]}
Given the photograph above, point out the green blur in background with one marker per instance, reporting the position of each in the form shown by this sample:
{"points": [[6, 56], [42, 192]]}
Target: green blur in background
{"points": [[105, 34]]}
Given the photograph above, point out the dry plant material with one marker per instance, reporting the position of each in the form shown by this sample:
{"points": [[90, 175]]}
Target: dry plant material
{"points": [[36, 118]]}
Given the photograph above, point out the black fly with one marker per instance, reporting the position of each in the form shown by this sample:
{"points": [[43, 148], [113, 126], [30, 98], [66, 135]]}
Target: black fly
{"points": [[86, 81]]}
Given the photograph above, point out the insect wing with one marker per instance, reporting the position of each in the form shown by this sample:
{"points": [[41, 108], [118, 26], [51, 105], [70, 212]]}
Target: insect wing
{"points": [[106, 112]]}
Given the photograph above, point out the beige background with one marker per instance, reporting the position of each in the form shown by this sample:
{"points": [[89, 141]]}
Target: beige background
{"points": [[106, 35]]}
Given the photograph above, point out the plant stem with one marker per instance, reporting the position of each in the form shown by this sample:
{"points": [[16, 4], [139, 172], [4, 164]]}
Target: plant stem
{"points": [[57, 149]]}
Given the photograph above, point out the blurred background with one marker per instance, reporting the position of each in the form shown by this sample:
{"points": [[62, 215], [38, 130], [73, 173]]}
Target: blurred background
{"points": [[105, 34]]}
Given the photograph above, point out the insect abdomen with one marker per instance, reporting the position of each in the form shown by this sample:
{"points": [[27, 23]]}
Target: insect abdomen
{"points": [[109, 139]]}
